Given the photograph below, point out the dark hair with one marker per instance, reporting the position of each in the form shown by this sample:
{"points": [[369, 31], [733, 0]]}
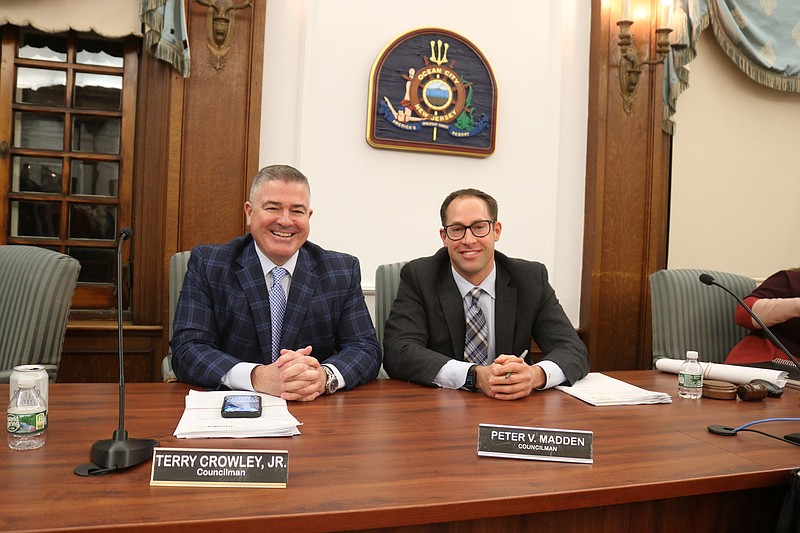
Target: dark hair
{"points": [[491, 203], [283, 173]]}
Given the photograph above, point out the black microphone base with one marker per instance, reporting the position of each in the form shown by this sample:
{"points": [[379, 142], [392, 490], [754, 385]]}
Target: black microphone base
{"points": [[117, 454], [722, 430]]}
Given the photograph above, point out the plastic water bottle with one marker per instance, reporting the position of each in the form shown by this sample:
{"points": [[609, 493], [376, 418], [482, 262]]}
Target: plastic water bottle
{"points": [[690, 377], [27, 416]]}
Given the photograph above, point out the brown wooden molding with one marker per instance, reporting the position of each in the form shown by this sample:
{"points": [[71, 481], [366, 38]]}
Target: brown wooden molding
{"points": [[627, 199], [219, 26]]}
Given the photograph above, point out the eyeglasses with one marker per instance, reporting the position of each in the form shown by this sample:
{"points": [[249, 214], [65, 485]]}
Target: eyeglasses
{"points": [[481, 228]]}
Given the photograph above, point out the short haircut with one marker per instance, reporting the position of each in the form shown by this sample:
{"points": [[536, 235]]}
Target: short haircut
{"points": [[283, 173], [491, 203]]}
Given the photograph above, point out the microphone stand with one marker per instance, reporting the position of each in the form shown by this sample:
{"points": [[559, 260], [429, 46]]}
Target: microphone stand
{"points": [[708, 279], [119, 452], [792, 438]]}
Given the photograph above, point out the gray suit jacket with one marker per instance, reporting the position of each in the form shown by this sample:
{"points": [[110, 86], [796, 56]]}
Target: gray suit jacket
{"points": [[426, 326]]}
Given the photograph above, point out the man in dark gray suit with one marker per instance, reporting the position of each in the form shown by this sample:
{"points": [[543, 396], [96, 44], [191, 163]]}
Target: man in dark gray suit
{"points": [[270, 311], [463, 316]]}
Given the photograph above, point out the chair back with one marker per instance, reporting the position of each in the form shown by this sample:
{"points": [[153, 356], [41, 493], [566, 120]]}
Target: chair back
{"points": [[177, 270], [36, 289], [387, 280], [689, 315]]}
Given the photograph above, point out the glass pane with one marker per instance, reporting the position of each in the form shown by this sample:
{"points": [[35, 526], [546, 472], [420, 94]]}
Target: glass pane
{"points": [[93, 51], [96, 178], [95, 134], [97, 264], [38, 130], [35, 219], [92, 221], [42, 46], [98, 91], [41, 86], [35, 174]]}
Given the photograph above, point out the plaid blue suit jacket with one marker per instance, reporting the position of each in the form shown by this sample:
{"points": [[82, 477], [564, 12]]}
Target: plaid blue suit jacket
{"points": [[223, 316]]}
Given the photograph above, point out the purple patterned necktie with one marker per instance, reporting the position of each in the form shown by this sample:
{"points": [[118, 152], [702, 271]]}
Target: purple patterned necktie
{"points": [[277, 308]]}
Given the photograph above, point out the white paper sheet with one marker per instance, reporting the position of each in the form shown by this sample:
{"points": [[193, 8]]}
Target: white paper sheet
{"points": [[600, 390], [202, 418]]}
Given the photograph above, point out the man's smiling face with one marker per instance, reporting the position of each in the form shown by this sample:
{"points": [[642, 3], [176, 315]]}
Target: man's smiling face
{"points": [[278, 216], [472, 257]]}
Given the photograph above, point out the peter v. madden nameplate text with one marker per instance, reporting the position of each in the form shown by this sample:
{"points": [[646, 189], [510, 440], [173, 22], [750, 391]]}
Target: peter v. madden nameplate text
{"points": [[201, 467], [538, 444]]}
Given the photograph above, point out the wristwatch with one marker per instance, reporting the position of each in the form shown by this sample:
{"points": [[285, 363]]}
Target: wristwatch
{"points": [[472, 378], [331, 381]]}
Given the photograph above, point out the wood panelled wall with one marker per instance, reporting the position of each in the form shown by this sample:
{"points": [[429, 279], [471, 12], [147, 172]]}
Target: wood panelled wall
{"points": [[197, 149], [627, 192]]}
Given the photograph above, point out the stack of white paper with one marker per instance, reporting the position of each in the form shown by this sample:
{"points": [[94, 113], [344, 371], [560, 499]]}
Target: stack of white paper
{"points": [[202, 418], [599, 389]]}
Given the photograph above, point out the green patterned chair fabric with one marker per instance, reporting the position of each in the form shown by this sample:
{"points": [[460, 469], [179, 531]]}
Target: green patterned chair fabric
{"points": [[36, 289], [387, 279], [689, 315], [177, 269]]}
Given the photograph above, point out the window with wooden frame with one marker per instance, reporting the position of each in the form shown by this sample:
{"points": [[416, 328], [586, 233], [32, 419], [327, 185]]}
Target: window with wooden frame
{"points": [[67, 122]]}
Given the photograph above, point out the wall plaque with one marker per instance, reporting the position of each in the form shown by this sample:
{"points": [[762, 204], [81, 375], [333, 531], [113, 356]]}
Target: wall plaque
{"points": [[432, 90]]}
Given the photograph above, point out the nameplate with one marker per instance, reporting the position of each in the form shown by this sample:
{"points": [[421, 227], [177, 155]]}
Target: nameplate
{"points": [[537, 444], [200, 467]]}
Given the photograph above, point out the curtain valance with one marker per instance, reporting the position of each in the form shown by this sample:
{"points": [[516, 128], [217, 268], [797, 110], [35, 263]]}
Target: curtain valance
{"points": [[109, 18], [164, 22], [762, 37]]}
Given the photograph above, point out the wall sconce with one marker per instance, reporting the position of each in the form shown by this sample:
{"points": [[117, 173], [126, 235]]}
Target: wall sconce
{"points": [[630, 65]]}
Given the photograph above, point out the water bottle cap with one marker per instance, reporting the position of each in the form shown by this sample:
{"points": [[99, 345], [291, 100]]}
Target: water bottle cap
{"points": [[691, 354]]}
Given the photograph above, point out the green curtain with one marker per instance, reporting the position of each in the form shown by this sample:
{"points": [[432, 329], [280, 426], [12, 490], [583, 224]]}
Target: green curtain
{"points": [[762, 37], [165, 32]]}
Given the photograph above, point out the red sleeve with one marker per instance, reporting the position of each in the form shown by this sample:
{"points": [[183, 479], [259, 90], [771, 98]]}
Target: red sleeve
{"points": [[742, 317]]}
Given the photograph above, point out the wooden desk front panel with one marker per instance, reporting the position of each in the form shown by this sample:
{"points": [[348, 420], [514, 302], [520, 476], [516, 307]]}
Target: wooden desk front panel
{"points": [[391, 454]]}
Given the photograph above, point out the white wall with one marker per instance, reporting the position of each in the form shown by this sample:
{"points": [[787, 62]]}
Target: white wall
{"points": [[735, 171], [382, 205]]}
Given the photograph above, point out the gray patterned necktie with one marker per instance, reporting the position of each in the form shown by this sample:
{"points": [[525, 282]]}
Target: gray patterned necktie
{"points": [[277, 308], [476, 344]]}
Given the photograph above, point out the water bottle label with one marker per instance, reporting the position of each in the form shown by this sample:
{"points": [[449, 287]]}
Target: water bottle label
{"points": [[27, 423], [691, 381]]}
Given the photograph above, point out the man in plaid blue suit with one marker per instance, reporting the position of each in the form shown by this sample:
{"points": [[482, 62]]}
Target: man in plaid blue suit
{"points": [[222, 329]]}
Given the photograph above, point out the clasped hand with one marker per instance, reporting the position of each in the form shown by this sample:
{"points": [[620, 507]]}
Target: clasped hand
{"points": [[509, 378], [295, 375]]}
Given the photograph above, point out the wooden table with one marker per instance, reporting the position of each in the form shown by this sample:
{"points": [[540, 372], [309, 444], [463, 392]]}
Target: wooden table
{"points": [[391, 454]]}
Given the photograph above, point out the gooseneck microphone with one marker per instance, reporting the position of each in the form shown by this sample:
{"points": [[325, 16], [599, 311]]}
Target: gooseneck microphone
{"points": [[708, 279], [792, 438], [119, 452]]}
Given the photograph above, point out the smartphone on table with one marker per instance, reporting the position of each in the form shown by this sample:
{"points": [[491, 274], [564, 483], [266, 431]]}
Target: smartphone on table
{"points": [[241, 406]]}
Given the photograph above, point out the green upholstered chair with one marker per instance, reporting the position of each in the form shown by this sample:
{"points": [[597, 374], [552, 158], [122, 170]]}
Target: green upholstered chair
{"points": [[36, 289], [177, 269], [387, 279], [689, 315]]}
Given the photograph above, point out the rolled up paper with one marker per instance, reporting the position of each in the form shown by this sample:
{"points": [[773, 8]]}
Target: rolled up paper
{"points": [[733, 373]]}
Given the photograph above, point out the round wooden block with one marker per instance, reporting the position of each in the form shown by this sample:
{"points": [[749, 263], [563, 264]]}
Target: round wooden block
{"points": [[719, 390]]}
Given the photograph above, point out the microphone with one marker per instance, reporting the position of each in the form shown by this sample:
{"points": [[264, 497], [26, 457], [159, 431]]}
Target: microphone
{"points": [[119, 452], [708, 279]]}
